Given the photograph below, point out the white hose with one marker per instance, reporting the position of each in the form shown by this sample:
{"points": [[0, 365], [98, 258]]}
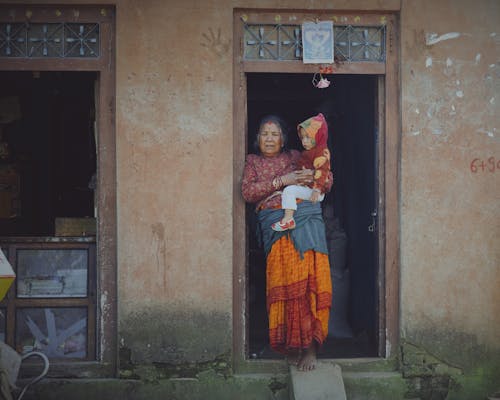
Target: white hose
{"points": [[39, 377]]}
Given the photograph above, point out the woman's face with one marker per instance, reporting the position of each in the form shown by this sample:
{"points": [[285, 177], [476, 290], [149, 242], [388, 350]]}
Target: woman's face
{"points": [[270, 139]]}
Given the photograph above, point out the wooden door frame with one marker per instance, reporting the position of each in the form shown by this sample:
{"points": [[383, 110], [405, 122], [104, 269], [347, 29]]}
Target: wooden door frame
{"points": [[388, 182], [106, 249]]}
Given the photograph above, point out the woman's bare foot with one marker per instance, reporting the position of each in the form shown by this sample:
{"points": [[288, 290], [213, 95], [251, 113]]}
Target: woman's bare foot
{"points": [[308, 360], [292, 358]]}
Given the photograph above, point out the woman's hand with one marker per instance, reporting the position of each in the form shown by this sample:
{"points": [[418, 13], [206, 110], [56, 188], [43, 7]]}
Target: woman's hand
{"points": [[315, 195], [300, 177]]}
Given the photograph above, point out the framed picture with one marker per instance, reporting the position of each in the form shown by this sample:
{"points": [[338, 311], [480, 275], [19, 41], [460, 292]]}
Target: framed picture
{"points": [[317, 42]]}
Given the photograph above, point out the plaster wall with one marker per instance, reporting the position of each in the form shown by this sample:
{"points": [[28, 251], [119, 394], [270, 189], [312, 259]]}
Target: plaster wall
{"points": [[174, 110], [450, 172]]}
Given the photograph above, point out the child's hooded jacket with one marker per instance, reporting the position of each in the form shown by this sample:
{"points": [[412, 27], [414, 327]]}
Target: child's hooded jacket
{"points": [[317, 158]]}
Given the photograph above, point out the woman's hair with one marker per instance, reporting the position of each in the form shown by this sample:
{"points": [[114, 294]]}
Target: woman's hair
{"points": [[276, 120]]}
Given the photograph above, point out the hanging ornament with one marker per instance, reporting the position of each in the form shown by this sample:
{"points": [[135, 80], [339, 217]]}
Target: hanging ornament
{"points": [[319, 82]]}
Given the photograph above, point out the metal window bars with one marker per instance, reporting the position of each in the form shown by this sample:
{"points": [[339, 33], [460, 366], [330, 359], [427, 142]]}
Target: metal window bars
{"points": [[283, 42], [49, 40]]}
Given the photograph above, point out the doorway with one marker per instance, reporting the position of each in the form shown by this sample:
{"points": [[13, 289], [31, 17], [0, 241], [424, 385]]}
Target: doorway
{"points": [[349, 106], [267, 45], [64, 56]]}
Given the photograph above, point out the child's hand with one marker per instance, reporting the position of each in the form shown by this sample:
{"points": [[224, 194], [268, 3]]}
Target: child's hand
{"points": [[315, 195]]}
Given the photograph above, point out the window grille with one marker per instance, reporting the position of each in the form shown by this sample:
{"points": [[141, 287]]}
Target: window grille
{"points": [[284, 42], [49, 40]]}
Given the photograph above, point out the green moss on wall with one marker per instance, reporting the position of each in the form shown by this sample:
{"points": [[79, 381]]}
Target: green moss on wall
{"points": [[449, 366], [155, 335]]}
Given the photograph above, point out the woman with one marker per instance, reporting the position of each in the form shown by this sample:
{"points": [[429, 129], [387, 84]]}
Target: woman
{"points": [[298, 283]]}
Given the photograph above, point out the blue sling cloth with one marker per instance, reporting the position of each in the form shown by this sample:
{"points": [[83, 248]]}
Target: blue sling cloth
{"points": [[309, 233]]}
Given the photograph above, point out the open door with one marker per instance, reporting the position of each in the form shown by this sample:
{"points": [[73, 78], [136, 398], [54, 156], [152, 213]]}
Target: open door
{"points": [[349, 209]]}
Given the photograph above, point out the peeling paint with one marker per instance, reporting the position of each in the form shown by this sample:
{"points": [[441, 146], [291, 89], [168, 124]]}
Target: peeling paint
{"points": [[105, 308], [488, 132], [459, 93], [428, 62], [449, 62], [478, 58], [433, 38]]}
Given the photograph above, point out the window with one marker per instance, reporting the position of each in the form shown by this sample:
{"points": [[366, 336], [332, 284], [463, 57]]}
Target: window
{"points": [[51, 307]]}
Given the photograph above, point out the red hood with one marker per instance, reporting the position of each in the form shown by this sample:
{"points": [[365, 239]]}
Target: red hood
{"points": [[316, 128]]}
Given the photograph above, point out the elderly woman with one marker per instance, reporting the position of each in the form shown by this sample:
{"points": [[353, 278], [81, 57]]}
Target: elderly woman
{"points": [[298, 283]]}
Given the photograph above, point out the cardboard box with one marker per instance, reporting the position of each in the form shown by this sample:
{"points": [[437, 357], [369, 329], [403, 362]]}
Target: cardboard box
{"points": [[7, 275], [75, 226]]}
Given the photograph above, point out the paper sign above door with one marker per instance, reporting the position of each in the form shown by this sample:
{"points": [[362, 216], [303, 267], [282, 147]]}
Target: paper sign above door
{"points": [[317, 42]]}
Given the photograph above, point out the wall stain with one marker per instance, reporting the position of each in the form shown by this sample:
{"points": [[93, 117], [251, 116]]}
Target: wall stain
{"points": [[160, 251]]}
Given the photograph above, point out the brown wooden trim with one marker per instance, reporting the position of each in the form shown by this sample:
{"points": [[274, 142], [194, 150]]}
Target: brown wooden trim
{"points": [[381, 309], [296, 17], [240, 329], [51, 64], [271, 66], [51, 302], [106, 201], [391, 181], [39, 13], [92, 304]]}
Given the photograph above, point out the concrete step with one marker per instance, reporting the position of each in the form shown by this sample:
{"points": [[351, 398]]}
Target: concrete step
{"points": [[351, 380], [323, 383], [374, 385]]}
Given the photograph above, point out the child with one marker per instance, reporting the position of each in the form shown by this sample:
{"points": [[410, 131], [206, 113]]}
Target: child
{"points": [[313, 134]]}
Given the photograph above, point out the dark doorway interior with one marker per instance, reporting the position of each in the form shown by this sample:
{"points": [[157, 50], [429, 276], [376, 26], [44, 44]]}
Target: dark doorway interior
{"points": [[349, 105], [47, 131]]}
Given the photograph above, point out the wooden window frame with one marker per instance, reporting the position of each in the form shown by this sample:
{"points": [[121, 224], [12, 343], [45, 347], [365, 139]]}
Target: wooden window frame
{"points": [[106, 249], [388, 165], [12, 303]]}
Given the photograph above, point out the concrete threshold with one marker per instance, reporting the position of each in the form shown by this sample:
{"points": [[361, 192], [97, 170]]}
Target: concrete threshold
{"points": [[323, 383]]}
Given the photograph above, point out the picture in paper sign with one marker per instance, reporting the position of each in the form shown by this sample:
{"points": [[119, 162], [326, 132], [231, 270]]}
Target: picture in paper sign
{"points": [[317, 42]]}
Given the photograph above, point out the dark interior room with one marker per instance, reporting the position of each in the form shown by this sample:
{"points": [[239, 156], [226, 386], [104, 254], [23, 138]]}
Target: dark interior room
{"points": [[48, 157]]}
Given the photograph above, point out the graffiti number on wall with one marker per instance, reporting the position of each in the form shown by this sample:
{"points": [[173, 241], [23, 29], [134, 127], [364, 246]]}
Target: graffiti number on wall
{"points": [[480, 165]]}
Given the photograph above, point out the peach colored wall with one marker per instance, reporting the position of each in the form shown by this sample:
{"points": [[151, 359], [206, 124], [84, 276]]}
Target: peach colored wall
{"points": [[174, 149], [450, 225], [174, 109]]}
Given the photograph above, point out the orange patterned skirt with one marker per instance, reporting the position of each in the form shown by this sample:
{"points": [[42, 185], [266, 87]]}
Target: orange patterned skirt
{"points": [[299, 295]]}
